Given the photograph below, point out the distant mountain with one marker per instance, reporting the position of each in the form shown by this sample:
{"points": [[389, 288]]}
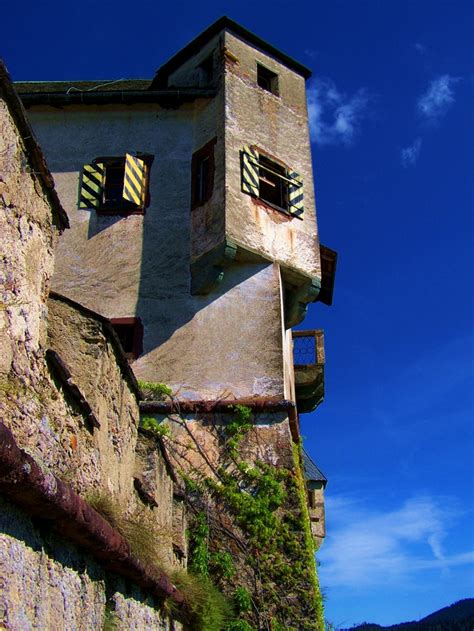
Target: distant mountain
{"points": [[456, 617]]}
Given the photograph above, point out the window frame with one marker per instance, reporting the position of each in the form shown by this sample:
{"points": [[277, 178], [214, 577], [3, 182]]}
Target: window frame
{"points": [[264, 74], [199, 157], [286, 177], [124, 207], [137, 343]]}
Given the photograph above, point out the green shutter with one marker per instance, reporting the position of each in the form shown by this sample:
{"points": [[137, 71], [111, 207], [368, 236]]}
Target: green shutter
{"points": [[249, 164], [134, 182], [90, 194], [295, 194]]}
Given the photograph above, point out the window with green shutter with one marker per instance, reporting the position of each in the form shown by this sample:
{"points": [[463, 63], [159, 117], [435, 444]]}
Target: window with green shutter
{"points": [[271, 181]]}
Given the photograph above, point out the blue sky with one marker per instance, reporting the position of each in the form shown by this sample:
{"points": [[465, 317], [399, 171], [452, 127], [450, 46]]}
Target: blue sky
{"points": [[391, 116]]}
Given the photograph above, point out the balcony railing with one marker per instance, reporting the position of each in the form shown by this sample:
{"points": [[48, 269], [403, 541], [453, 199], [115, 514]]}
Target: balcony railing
{"points": [[308, 359]]}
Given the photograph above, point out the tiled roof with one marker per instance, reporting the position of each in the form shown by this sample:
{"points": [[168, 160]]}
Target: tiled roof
{"points": [[311, 471]]}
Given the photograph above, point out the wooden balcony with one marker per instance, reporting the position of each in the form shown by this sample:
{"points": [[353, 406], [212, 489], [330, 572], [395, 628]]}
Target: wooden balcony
{"points": [[308, 358]]}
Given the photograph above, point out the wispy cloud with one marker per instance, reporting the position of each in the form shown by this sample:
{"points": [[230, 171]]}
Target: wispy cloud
{"points": [[369, 547], [409, 155], [437, 99], [420, 48], [334, 117]]}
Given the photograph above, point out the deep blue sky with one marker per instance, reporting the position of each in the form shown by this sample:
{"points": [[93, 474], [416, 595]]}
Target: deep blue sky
{"points": [[391, 108]]}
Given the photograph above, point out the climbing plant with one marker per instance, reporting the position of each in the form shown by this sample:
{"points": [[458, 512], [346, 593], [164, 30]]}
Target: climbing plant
{"points": [[250, 528]]}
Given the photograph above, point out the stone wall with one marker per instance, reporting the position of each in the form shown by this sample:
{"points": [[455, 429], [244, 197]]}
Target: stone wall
{"points": [[69, 399], [47, 583]]}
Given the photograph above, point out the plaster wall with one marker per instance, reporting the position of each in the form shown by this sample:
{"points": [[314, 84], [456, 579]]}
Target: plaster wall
{"points": [[139, 265], [279, 126], [189, 74]]}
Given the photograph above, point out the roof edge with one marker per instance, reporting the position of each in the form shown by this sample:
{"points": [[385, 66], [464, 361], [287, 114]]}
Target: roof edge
{"points": [[225, 23]]}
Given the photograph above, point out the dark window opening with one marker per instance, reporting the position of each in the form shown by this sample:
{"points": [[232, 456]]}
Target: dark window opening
{"points": [[207, 70], [273, 184], [267, 79], [117, 184], [130, 333], [201, 192], [112, 195], [202, 176]]}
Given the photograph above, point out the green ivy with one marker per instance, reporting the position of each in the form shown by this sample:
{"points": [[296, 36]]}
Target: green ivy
{"points": [[242, 600], [154, 390], [269, 507], [199, 562], [155, 427]]}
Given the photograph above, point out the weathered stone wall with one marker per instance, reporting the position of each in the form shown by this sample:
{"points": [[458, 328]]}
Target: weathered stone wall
{"points": [[27, 250], [89, 442], [104, 457], [46, 583], [317, 512]]}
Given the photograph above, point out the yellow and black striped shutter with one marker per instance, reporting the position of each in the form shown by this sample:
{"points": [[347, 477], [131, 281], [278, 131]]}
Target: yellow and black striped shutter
{"points": [[295, 194], [249, 163], [92, 182], [134, 182]]}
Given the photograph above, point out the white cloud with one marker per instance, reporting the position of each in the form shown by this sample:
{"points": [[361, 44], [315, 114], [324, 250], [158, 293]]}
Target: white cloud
{"points": [[437, 99], [334, 117], [409, 155], [420, 48], [372, 548]]}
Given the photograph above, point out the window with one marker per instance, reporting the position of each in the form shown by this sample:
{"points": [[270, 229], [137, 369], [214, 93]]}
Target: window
{"points": [[272, 182], [202, 174], [206, 71], [116, 184], [130, 333], [267, 79]]}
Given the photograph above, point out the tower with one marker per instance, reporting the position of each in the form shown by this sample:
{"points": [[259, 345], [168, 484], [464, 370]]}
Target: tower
{"points": [[193, 230]]}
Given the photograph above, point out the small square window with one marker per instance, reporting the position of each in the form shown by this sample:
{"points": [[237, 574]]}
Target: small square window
{"points": [[267, 79], [130, 333], [202, 174]]}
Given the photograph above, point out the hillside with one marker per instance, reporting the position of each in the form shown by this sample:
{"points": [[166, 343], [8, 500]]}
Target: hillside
{"points": [[457, 617]]}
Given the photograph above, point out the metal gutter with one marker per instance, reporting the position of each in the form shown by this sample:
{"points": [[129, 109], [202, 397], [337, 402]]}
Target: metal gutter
{"points": [[226, 406], [166, 97], [45, 496]]}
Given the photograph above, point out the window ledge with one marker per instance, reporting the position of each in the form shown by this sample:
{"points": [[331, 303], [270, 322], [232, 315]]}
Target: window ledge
{"points": [[120, 211], [259, 201]]}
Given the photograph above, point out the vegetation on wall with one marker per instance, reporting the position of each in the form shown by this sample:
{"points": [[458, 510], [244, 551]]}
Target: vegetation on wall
{"points": [[250, 535], [154, 391]]}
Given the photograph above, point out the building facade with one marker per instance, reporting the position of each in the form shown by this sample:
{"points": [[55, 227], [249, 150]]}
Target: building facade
{"points": [[194, 232]]}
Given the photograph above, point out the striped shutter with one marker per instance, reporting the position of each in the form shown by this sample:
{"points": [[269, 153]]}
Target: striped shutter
{"points": [[92, 181], [295, 194], [249, 162], [134, 182]]}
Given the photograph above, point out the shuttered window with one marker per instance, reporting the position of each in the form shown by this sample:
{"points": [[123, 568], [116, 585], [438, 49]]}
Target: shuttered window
{"points": [[272, 182], [116, 184]]}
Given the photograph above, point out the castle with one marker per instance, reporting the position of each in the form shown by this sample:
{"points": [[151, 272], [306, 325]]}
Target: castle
{"points": [[191, 252]]}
